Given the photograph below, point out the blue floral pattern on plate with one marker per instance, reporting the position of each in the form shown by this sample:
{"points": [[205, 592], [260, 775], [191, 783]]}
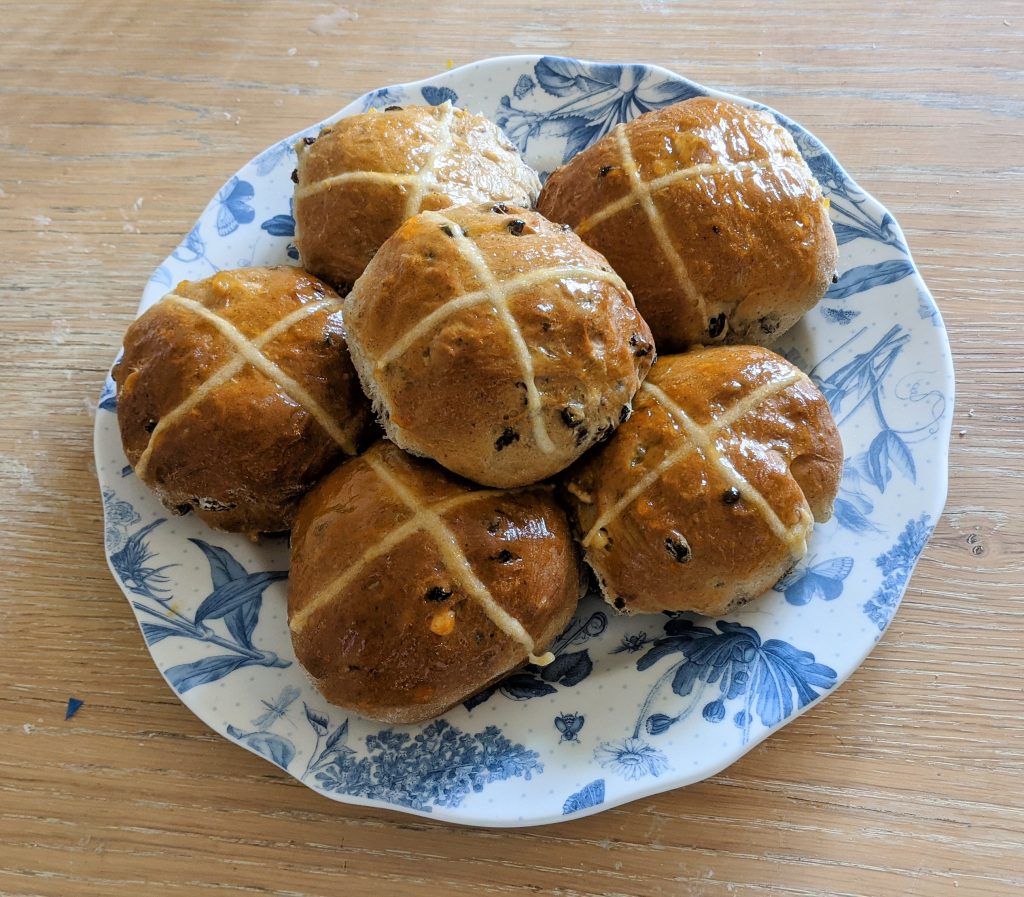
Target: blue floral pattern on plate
{"points": [[631, 705]]}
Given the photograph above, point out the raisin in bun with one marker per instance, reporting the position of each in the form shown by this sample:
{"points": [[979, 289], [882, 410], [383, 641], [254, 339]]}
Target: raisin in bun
{"points": [[411, 590], [364, 175], [710, 491], [495, 342], [710, 214], [235, 393]]}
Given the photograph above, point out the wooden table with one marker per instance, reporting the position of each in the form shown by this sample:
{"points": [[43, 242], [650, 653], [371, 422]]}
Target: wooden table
{"points": [[118, 121]]}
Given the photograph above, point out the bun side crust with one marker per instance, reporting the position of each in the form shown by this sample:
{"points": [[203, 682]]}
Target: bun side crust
{"points": [[211, 432], [495, 342], [731, 244], [366, 174], [372, 591], [708, 494]]}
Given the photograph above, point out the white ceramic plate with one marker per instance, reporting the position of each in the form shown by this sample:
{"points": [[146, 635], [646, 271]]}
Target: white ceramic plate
{"points": [[632, 706]]}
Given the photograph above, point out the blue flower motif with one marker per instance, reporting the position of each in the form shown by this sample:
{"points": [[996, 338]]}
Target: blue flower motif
{"points": [[631, 758], [772, 676], [131, 562], [118, 515], [896, 565], [590, 795], [234, 198], [598, 97], [439, 767]]}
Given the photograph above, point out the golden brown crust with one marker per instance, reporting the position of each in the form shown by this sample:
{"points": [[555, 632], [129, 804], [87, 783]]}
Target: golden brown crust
{"points": [[747, 226], [248, 449], [507, 391], [442, 156], [396, 635], [707, 495]]}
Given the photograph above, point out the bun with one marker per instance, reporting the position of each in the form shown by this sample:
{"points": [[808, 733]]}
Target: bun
{"points": [[236, 393], [411, 590], [366, 174], [710, 215], [708, 494], [495, 342]]}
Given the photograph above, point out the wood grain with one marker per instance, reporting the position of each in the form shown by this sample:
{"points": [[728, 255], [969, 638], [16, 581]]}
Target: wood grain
{"points": [[118, 121]]}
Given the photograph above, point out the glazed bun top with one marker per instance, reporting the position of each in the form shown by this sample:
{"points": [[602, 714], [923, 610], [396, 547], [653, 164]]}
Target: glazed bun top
{"points": [[711, 216], [410, 589], [710, 492], [235, 393], [366, 174], [495, 342]]}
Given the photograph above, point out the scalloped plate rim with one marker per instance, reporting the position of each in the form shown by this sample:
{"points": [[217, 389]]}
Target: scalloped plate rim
{"points": [[725, 759]]}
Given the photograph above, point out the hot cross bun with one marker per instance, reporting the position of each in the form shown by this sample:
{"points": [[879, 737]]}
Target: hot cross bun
{"points": [[495, 342], [364, 175], [711, 216], [709, 493], [235, 393], [411, 590]]}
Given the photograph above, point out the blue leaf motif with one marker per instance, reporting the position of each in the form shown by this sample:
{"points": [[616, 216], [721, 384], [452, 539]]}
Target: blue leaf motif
{"points": [[560, 76], [279, 226], [783, 670], [275, 748], [317, 720], [438, 95], [293, 252], [338, 736], [186, 676], [223, 567], [235, 594], [591, 795], [568, 669], [154, 633], [234, 198], [664, 93], [520, 686], [867, 277], [847, 233], [888, 450]]}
